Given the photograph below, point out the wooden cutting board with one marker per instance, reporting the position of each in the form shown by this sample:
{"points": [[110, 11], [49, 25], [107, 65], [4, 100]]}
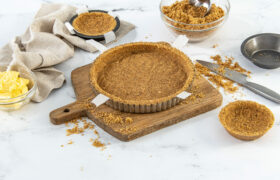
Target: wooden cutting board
{"points": [[142, 123]]}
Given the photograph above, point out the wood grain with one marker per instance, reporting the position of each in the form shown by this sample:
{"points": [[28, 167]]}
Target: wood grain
{"points": [[143, 123]]}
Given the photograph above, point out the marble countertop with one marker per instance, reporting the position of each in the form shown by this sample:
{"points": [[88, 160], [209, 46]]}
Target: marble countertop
{"points": [[198, 148]]}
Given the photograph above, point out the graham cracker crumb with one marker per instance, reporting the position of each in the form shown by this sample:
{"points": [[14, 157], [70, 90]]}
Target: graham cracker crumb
{"points": [[117, 122], [194, 97], [70, 142], [77, 129], [96, 133], [218, 80], [79, 126], [128, 120], [215, 45], [127, 130], [182, 11], [74, 130], [97, 143], [113, 118]]}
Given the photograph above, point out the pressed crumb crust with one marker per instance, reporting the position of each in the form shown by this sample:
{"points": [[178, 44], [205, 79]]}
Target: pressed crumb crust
{"points": [[94, 23], [142, 73], [143, 76], [246, 120]]}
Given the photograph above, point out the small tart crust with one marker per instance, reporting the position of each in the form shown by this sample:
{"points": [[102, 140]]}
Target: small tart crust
{"points": [[246, 120], [142, 73], [94, 23]]}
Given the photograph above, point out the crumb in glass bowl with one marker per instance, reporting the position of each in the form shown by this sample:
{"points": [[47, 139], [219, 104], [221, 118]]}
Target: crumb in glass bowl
{"points": [[183, 18]]}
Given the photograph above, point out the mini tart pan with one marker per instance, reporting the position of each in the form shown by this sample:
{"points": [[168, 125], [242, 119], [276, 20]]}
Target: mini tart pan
{"points": [[141, 106], [231, 108], [99, 37]]}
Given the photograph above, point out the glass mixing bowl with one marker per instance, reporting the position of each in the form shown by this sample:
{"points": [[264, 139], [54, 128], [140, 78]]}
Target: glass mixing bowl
{"points": [[195, 32]]}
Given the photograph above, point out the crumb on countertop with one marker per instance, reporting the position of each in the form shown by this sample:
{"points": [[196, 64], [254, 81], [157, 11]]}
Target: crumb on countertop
{"points": [[79, 126]]}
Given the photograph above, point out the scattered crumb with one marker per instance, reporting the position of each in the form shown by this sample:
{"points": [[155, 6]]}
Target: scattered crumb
{"points": [[81, 168], [79, 127], [127, 130], [117, 122], [76, 129], [215, 45], [110, 118], [95, 132], [193, 98], [98, 144], [128, 120], [218, 80], [62, 145]]}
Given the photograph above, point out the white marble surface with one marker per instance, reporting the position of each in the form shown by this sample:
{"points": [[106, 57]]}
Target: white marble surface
{"points": [[198, 148]]}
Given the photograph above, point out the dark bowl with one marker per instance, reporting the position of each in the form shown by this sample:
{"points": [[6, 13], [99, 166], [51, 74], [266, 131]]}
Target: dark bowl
{"points": [[99, 37], [263, 50]]}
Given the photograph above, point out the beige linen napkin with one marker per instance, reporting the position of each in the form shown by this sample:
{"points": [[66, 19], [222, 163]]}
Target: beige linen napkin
{"points": [[47, 42]]}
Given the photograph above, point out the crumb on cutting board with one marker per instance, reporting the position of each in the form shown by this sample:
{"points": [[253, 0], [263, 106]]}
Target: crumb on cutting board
{"points": [[117, 122]]}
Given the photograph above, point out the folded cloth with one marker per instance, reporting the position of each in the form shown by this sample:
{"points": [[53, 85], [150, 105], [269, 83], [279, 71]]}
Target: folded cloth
{"points": [[47, 42]]}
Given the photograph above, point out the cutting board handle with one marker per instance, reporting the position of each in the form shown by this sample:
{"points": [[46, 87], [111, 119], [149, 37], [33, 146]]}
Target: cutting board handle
{"points": [[67, 113]]}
